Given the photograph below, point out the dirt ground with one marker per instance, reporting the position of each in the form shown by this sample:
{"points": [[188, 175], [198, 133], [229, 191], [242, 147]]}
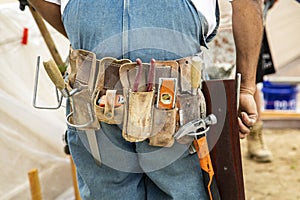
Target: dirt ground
{"points": [[279, 179]]}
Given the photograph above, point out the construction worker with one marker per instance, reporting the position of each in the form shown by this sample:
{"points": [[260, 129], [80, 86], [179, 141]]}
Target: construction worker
{"points": [[164, 30], [221, 57], [257, 149]]}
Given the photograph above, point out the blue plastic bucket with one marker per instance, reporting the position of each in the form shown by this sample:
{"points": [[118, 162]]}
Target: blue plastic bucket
{"points": [[279, 96]]}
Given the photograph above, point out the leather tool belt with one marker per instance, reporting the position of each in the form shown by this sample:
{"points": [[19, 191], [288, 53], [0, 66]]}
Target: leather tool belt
{"points": [[151, 100]]}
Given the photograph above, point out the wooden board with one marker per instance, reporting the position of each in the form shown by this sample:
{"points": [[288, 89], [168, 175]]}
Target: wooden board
{"points": [[223, 138], [279, 114], [279, 119]]}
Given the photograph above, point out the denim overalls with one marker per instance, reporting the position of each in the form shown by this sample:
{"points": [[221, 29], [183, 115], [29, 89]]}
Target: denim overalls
{"points": [[160, 29]]}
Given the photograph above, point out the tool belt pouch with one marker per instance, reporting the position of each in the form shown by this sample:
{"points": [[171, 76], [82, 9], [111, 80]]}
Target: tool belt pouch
{"points": [[164, 120], [138, 115], [108, 84], [108, 113], [189, 107], [142, 120], [83, 113], [83, 71], [164, 124]]}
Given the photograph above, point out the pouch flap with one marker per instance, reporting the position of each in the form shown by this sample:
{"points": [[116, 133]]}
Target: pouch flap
{"points": [[164, 124], [83, 113], [189, 107], [165, 69], [185, 74], [138, 116], [108, 76], [86, 69], [128, 73], [174, 67]]}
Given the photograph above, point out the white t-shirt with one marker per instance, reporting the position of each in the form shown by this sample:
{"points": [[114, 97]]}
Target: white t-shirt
{"points": [[206, 7], [225, 14]]}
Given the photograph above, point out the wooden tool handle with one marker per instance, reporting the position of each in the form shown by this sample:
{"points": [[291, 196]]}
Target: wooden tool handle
{"points": [[48, 39], [54, 74], [196, 72], [35, 187]]}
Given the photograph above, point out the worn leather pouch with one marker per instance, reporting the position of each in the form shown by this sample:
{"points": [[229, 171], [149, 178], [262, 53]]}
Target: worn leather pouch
{"points": [[164, 124], [141, 119], [138, 116], [185, 74], [84, 72], [108, 84], [189, 107], [109, 113]]}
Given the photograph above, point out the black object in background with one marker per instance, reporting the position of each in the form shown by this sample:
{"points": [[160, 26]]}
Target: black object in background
{"points": [[265, 63]]}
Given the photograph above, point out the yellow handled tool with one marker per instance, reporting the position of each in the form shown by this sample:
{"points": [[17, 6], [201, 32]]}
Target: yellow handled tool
{"points": [[207, 168], [56, 77], [196, 73]]}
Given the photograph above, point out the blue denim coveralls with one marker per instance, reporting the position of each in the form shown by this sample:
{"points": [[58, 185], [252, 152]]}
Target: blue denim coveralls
{"points": [[160, 29]]}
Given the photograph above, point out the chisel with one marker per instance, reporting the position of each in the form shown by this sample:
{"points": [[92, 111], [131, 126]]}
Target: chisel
{"points": [[196, 74], [56, 77]]}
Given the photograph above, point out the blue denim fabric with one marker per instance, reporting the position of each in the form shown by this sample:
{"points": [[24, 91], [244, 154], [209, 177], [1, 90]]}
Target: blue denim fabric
{"points": [[160, 29]]}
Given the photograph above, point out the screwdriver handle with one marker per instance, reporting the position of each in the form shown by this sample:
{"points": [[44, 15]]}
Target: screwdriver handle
{"points": [[54, 74], [196, 73]]}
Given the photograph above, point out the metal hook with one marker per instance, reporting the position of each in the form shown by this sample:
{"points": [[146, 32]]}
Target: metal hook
{"points": [[81, 125], [59, 98]]}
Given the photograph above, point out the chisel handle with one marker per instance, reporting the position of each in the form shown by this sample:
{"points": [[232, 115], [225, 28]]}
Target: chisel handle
{"points": [[196, 73], [54, 74]]}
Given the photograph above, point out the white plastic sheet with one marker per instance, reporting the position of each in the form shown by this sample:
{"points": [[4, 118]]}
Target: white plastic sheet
{"points": [[29, 137]]}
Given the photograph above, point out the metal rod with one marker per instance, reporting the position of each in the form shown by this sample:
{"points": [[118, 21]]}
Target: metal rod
{"points": [[36, 82], [238, 89]]}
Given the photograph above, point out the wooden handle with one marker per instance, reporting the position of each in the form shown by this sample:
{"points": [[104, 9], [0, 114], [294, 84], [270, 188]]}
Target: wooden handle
{"points": [[35, 187], [74, 177], [54, 74], [196, 72], [48, 39]]}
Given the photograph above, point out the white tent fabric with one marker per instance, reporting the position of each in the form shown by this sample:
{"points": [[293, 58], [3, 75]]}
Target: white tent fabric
{"points": [[29, 137]]}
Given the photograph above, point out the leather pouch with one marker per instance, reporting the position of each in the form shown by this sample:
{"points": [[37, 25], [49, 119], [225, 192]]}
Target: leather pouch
{"points": [[84, 71], [189, 108], [141, 119], [108, 84], [164, 124], [185, 74], [138, 116]]}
